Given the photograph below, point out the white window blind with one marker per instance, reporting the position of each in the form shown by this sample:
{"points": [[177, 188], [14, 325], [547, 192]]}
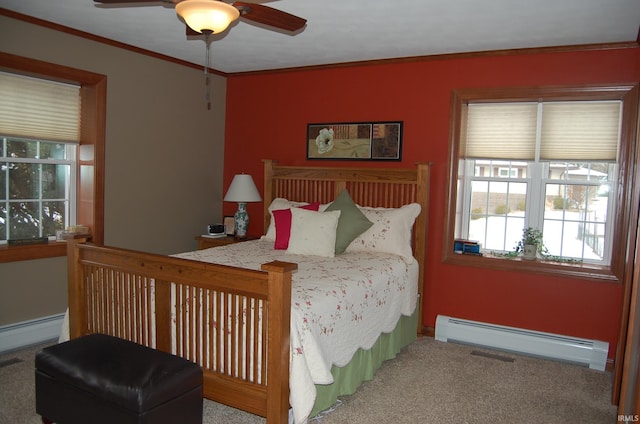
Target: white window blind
{"points": [[501, 131], [567, 131], [39, 109], [580, 131]]}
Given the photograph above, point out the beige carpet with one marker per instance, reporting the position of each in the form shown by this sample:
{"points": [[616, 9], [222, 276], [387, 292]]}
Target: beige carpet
{"points": [[429, 382]]}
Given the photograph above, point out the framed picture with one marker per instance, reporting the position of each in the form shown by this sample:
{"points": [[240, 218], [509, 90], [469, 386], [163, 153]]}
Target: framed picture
{"points": [[229, 225], [355, 141]]}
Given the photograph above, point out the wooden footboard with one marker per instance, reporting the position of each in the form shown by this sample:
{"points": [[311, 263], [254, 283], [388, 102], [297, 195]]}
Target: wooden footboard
{"points": [[233, 322]]}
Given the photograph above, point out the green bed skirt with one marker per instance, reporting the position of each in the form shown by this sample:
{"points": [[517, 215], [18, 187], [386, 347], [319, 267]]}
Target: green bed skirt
{"points": [[365, 363]]}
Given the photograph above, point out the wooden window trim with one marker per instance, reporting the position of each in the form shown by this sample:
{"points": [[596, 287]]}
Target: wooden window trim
{"points": [[627, 210], [91, 158]]}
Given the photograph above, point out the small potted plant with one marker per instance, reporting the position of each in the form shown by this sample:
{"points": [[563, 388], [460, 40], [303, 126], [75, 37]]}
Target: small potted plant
{"points": [[531, 243]]}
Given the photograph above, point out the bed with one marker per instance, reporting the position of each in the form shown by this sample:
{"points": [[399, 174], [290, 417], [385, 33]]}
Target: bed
{"points": [[247, 322]]}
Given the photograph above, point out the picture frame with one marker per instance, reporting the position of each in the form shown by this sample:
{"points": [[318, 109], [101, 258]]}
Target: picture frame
{"points": [[371, 141], [229, 225]]}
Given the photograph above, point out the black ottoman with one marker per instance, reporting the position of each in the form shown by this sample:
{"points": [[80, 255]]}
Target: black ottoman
{"points": [[101, 379]]}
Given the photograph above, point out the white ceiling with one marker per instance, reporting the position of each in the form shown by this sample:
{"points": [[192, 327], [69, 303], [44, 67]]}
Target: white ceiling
{"points": [[346, 31]]}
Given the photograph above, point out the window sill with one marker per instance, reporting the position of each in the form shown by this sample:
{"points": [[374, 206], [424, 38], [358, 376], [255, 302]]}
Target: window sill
{"points": [[539, 266], [33, 251]]}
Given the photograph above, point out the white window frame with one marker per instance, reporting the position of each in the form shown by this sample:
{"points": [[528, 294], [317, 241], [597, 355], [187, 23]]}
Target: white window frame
{"points": [[70, 185], [535, 198], [467, 177]]}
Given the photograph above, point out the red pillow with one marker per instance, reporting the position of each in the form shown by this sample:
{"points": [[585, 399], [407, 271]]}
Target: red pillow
{"points": [[282, 219]]}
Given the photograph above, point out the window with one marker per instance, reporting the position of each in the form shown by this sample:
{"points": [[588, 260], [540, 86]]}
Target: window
{"points": [[51, 159], [546, 165], [37, 177], [550, 159], [37, 188]]}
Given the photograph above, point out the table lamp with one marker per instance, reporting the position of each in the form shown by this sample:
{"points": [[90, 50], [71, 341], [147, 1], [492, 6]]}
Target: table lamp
{"points": [[242, 190]]}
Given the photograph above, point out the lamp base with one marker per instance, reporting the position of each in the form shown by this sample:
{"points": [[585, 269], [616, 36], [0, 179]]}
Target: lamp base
{"points": [[241, 218]]}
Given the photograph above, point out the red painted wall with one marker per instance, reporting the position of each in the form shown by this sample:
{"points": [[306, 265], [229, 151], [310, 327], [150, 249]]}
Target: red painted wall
{"points": [[267, 116]]}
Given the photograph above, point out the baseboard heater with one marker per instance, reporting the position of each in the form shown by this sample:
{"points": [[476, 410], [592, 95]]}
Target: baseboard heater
{"points": [[27, 333], [547, 345]]}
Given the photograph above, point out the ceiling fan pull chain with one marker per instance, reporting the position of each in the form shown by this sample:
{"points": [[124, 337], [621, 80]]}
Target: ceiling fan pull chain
{"points": [[207, 88]]}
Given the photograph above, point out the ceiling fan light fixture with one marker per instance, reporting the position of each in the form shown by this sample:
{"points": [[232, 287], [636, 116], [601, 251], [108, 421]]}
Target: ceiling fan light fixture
{"points": [[207, 15]]}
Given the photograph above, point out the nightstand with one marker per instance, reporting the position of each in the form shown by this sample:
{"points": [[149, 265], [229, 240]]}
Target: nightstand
{"points": [[207, 242]]}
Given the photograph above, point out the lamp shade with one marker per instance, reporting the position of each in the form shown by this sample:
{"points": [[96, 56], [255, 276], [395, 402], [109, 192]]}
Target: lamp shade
{"points": [[242, 189], [207, 15]]}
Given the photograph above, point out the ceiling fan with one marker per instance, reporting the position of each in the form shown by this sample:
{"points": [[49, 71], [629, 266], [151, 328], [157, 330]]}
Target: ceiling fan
{"points": [[214, 16]]}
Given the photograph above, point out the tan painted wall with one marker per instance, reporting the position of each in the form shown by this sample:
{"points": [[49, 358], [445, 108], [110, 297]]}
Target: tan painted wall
{"points": [[164, 158]]}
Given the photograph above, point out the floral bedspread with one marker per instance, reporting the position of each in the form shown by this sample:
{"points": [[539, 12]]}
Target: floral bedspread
{"points": [[338, 305]]}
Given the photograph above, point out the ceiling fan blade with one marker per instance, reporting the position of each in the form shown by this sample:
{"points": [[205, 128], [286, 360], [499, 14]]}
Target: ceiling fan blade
{"points": [[270, 16]]}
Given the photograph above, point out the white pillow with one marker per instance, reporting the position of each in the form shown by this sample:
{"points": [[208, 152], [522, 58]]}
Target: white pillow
{"points": [[390, 232], [281, 203], [277, 204], [313, 233]]}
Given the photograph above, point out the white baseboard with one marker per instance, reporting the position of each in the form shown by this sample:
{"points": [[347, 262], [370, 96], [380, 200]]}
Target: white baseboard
{"points": [[27, 333]]}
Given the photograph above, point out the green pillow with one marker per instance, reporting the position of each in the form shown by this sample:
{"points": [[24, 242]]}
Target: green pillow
{"points": [[352, 221]]}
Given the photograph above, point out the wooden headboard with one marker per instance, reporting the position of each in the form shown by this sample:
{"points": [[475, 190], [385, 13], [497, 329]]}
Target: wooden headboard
{"points": [[373, 187]]}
